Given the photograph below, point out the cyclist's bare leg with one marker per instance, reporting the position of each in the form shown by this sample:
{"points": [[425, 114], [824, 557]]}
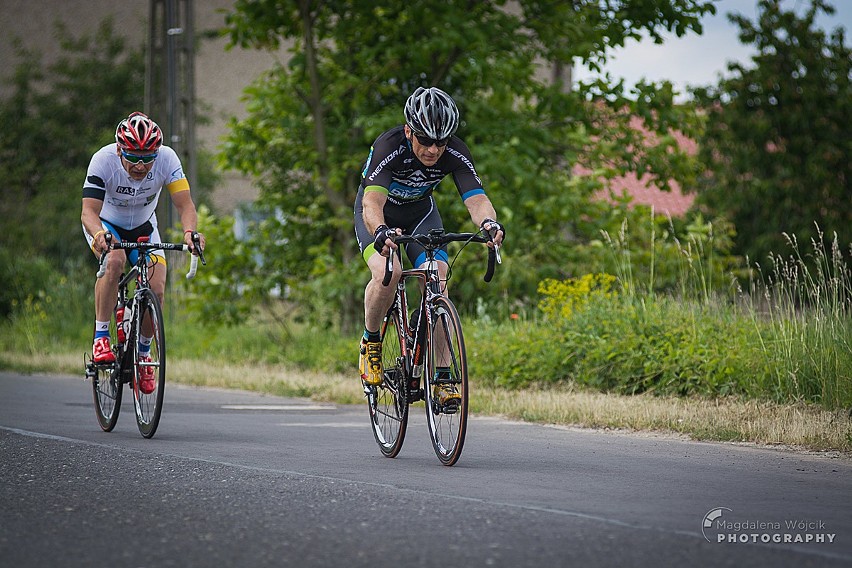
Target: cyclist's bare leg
{"points": [[106, 287], [378, 297], [442, 355]]}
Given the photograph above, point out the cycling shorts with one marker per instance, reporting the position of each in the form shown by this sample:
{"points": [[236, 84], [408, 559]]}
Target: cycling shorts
{"points": [[146, 229], [415, 217]]}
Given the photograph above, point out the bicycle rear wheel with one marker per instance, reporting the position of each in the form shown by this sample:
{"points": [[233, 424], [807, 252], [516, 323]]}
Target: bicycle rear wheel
{"points": [[107, 385], [148, 397], [447, 419], [387, 401]]}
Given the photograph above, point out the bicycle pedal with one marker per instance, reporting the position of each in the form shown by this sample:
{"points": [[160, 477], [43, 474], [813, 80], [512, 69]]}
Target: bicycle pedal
{"points": [[414, 395], [88, 366]]}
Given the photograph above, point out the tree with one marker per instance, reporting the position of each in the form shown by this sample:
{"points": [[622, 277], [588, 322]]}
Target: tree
{"points": [[52, 121], [310, 122], [54, 117], [777, 137]]}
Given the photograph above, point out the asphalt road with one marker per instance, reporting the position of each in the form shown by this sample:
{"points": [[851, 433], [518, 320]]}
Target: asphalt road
{"points": [[241, 479]]}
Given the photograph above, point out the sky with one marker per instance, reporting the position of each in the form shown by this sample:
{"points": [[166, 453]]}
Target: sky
{"points": [[701, 60]]}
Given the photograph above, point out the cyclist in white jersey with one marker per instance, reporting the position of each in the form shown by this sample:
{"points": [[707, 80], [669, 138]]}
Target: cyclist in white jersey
{"points": [[120, 194]]}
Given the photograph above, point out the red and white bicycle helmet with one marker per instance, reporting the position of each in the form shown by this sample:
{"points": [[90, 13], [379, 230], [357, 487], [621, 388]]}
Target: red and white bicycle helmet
{"points": [[138, 133], [432, 112]]}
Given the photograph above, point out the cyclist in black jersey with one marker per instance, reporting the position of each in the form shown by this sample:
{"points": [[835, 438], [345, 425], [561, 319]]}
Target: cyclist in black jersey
{"points": [[404, 167]]}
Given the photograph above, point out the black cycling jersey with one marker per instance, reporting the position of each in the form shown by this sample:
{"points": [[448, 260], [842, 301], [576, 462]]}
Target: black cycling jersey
{"points": [[393, 166]]}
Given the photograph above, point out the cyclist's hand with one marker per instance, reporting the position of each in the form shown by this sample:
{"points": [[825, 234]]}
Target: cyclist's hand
{"points": [[101, 241], [384, 239], [495, 231], [188, 237]]}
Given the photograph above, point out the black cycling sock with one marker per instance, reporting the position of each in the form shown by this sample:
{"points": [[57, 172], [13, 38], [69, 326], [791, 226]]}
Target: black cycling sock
{"points": [[372, 336]]}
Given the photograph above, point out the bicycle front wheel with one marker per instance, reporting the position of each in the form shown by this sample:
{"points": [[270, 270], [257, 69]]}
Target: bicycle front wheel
{"points": [[446, 382], [387, 401], [149, 368], [106, 390], [107, 384]]}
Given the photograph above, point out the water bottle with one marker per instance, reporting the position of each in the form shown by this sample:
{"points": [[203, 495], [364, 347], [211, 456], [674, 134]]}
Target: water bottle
{"points": [[119, 323]]}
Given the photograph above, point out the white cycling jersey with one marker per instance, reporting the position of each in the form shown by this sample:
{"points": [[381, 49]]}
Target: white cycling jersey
{"points": [[129, 203]]}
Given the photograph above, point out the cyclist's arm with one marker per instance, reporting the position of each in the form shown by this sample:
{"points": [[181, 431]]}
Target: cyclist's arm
{"points": [[374, 200], [470, 188], [188, 215], [480, 209], [91, 219]]}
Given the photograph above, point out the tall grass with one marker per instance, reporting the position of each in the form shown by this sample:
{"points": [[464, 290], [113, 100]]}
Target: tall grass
{"points": [[787, 338], [802, 310]]}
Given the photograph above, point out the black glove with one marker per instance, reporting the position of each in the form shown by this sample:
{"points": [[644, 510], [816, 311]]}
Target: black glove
{"points": [[382, 234], [493, 231]]}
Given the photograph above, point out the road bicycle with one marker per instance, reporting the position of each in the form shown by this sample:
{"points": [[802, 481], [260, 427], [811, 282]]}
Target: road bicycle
{"points": [[427, 347], [134, 314]]}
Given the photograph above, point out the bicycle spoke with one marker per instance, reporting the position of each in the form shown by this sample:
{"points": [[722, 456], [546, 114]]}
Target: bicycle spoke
{"points": [[387, 405], [149, 365], [107, 386], [446, 392]]}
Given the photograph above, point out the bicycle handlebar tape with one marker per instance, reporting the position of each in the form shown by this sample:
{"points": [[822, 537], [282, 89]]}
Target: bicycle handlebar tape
{"points": [[193, 267], [492, 261]]}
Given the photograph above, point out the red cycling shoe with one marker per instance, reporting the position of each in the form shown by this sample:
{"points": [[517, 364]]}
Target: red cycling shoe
{"points": [[101, 351]]}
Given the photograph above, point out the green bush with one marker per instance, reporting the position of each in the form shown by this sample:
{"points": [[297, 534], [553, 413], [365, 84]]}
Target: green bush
{"points": [[612, 343], [22, 278], [46, 306]]}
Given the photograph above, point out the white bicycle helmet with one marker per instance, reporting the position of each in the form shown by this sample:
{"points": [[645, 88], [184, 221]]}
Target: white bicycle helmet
{"points": [[432, 112]]}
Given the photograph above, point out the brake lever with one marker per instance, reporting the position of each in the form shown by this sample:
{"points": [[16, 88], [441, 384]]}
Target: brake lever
{"points": [[196, 241], [496, 247], [388, 269]]}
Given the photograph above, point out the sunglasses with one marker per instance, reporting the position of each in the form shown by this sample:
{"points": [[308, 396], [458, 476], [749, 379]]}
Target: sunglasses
{"points": [[426, 141], [134, 159]]}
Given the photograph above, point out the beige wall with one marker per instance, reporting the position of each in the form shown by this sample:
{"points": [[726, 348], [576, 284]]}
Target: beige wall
{"points": [[220, 75]]}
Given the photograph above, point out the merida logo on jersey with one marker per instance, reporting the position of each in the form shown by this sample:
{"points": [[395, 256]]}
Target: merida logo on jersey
{"points": [[385, 162], [124, 190], [464, 160]]}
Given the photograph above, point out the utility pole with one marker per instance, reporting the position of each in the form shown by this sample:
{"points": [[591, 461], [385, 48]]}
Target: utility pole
{"points": [[170, 96], [170, 86]]}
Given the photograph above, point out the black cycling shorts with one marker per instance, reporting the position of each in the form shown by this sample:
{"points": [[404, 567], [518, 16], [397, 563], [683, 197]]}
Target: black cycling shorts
{"points": [[419, 216]]}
